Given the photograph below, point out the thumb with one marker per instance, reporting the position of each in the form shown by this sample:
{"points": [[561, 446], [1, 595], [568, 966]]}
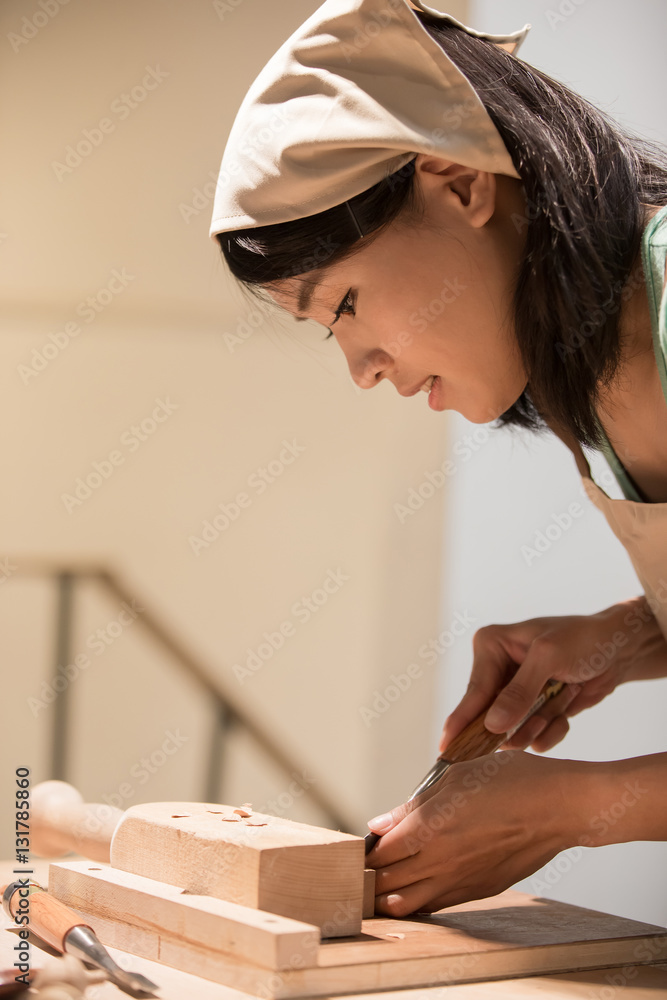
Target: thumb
{"points": [[387, 821], [518, 697]]}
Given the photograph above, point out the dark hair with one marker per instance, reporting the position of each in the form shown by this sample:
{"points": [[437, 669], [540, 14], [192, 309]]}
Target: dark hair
{"points": [[585, 180]]}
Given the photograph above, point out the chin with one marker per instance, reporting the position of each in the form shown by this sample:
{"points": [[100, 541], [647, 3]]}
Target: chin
{"points": [[479, 415], [489, 410]]}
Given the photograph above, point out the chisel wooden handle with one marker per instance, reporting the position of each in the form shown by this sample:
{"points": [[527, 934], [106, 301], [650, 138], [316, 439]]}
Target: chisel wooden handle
{"points": [[476, 740], [61, 821], [50, 919]]}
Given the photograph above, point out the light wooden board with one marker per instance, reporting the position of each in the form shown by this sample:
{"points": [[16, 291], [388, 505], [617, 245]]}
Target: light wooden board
{"points": [[509, 935], [266, 862], [625, 982], [262, 938]]}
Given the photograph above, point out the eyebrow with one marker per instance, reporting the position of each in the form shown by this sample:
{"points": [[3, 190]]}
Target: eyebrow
{"points": [[305, 298]]}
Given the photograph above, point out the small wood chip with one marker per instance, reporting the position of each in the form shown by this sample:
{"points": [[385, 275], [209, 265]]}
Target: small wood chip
{"points": [[242, 811], [391, 934], [180, 815], [216, 812], [248, 823], [231, 819]]}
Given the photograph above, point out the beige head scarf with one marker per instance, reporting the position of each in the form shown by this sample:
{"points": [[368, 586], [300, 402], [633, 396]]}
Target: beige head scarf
{"points": [[350, 97]]}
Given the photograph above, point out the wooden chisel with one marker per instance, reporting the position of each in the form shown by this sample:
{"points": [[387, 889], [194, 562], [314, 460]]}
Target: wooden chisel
{"points": [[66, 931], [474, 741]]}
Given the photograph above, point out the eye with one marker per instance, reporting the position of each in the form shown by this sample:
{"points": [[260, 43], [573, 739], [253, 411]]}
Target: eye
{"points": [[345, 307]]}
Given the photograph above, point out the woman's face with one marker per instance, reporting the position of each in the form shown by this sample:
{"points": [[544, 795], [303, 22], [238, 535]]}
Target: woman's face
{"points": [[434, 299]]}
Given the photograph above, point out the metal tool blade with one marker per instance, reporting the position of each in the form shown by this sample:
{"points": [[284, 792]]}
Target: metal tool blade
{"points": [[83, 943]]}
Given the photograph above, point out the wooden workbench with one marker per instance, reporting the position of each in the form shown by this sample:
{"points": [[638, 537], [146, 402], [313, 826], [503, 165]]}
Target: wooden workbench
{"points": [[644, 982]]}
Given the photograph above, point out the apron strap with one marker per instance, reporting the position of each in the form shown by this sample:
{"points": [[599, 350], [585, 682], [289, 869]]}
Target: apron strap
{"points": [[571, 442]]}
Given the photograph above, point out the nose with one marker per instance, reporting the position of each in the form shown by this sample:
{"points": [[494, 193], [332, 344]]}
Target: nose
{"points": [[370, 369]]}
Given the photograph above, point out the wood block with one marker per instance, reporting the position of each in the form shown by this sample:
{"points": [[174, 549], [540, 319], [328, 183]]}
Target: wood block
{"points": [[369, 893], [507, 936], [156, 908], [267, 863]]}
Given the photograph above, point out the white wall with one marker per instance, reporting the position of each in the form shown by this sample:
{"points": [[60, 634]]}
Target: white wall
{"points": [[515, 483]]}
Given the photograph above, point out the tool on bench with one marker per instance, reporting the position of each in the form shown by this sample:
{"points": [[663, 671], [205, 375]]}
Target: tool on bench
{"points": [[66, 931], [474, 741]]}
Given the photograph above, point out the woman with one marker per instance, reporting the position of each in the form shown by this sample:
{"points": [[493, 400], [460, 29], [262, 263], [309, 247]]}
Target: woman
{"points": [[415, 158]]}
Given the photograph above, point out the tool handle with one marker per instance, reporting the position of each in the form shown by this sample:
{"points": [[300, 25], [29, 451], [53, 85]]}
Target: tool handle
{"points": [[476, 740], [49, 919], [61, 821]]}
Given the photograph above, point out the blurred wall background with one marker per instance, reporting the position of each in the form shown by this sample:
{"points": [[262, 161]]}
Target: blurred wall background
{"points": [[132, 362], [195, 391]]}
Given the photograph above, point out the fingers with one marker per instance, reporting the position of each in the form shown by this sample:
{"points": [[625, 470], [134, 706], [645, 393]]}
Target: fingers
{"points": [[387, 821], [552, 735], [488, 673], [408, 899], [538, 723], [518, 697]]}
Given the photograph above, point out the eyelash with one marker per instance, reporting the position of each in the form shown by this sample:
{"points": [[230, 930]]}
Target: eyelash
{"points": [[342, 309]]}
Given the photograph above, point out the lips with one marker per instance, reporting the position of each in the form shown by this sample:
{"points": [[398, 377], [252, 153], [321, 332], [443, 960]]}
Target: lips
{"points": [[423, 387]]}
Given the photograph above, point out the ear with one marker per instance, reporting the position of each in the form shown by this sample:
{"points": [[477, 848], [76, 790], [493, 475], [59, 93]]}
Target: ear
{"points": [[469, 192]]}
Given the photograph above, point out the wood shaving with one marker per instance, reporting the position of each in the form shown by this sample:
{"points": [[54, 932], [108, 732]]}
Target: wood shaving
{"points": [[391, 934], [180, 815], [241, 814]]}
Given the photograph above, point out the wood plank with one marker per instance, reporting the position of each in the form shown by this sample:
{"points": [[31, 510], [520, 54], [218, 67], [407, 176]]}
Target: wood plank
{"points": [[507, 936], [265, 862], [201, 921]]}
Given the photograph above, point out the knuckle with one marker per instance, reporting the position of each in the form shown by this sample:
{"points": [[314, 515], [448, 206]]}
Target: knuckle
{"points": [[484, 636], [545, 648]]}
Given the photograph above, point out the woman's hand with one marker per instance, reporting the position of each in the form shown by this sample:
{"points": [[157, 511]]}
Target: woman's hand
{"points": [[497, 819], [492, 822], [591, 653]]}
